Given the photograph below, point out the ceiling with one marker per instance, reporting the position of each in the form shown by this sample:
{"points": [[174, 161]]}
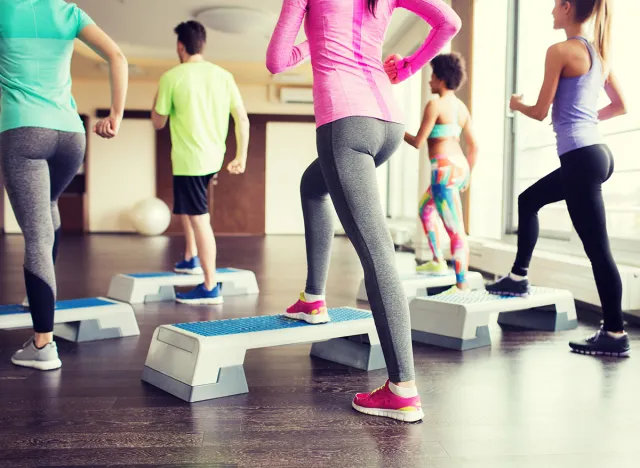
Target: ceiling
{"points": [[144, 31]]}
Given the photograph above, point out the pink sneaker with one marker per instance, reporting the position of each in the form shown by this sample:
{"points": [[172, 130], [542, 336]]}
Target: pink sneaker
{"points": [[311, 312], [383, 402]]}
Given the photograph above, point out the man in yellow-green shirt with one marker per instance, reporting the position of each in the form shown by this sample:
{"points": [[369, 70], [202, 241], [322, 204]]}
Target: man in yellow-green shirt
{"points": [[197, 98]]}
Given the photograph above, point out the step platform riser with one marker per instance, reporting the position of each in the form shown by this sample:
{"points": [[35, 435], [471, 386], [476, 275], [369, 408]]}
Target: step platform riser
{"points": [[461, 321]]}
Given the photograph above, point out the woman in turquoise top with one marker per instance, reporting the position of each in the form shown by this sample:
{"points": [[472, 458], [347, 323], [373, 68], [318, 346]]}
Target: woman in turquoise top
{"points": [[42, 139], [445, 119]]}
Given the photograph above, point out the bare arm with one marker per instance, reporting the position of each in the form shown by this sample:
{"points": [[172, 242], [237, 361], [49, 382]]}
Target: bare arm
{"points": [[553, 70], [241, 120], [618, 104], [159, 121], [426, 127], [105, 47]]}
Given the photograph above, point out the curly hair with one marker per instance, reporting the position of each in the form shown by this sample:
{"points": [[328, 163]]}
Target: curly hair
{"points": [[451, 69]]}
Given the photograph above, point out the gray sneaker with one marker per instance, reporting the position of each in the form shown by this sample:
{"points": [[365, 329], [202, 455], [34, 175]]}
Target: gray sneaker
{"points": [[41, 359]]}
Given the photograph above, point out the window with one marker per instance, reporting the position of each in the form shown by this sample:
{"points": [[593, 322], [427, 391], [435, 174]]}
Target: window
{"points": [[534, 142], [534, 151], [404, 167]]}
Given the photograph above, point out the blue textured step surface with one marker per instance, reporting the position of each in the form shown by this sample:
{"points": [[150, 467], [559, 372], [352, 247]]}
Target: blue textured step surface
{"points": [[62, 305], [266, 323], [165, 274], [475, 297], [424, 276]]}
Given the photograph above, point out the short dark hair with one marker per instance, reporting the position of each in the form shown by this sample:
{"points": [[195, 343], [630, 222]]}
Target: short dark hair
{"points": [[451, 69], [192, 35]]}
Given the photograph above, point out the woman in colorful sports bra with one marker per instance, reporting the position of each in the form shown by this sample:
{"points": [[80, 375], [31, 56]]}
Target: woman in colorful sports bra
{"points": [[445, 119]]}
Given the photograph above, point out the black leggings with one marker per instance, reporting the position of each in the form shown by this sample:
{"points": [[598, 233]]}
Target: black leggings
{"points": [[579, 182]]}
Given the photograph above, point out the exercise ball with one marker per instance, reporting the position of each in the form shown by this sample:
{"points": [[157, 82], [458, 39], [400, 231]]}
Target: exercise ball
{"points": [[151, 217]]}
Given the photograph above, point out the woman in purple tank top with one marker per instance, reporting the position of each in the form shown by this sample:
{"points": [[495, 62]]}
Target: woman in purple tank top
{"points": [[576, 71]]}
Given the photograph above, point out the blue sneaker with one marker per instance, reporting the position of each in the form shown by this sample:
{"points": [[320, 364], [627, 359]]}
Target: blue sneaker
{"points": [[200, 295], [189, 267]]}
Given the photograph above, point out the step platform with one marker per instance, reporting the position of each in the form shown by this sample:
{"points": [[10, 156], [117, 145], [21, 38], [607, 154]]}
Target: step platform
{"points": [[423, 284], [79, 320], [139, 288], [461, 321], [204, 360]]}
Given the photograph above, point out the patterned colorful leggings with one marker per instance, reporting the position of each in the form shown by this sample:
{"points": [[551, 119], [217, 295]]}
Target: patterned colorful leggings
{"points": [[448, 177]]}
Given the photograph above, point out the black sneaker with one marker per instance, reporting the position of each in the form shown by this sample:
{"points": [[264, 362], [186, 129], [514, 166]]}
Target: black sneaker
{"points": [[603, 343], [509, 287]]}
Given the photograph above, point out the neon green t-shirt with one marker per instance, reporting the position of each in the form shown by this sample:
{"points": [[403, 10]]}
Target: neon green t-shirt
{"points": [[198, 98], [36, 45]]}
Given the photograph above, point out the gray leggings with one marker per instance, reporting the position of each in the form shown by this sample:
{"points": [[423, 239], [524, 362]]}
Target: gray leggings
{"points": [[349, 150], [38, 164]]}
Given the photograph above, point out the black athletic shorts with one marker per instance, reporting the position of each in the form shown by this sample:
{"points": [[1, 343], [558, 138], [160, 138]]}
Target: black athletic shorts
{"points": [[190, 194]]}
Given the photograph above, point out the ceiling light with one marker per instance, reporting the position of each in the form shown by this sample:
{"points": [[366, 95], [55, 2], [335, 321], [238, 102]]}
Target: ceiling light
{"points": [[237, 20]]}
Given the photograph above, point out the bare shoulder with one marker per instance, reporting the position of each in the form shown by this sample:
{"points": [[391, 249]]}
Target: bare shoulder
{"points": [[559, 49], [433, 105]]}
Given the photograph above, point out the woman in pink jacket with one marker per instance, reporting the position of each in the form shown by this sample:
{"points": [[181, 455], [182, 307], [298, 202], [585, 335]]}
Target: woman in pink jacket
{"points": [[359, 127]]}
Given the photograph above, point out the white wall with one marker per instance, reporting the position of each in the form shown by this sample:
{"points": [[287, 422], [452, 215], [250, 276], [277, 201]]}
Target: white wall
{"points": [[10, 223], [258, 99], [122, 172], [291, 147], [489, 107]]}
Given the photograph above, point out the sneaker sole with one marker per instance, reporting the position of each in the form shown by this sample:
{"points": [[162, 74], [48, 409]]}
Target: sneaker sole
{"points": [[624, 354], [433, 273], [39, 365], [194, 271], [509, 294], [310, 319], [205, 301], [406, 416]]}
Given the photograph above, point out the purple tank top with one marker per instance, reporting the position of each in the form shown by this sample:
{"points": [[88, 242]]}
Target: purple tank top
{"points": [[575, 107]]}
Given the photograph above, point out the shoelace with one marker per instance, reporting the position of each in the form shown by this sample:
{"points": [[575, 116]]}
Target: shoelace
{"points": [[595, 336], [377, 389]]}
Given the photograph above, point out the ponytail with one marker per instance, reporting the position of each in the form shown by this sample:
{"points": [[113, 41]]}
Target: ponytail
{"points": [[372, 6], [602, 28]]}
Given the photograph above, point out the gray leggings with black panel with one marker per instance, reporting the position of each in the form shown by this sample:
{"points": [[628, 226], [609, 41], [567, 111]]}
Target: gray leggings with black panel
{"points": [[37, 166], [349, 151]]}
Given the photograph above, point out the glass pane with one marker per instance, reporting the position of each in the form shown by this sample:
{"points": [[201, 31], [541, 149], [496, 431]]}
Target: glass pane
{"points": [[625, 64], [624, 225], [552, 218], [535, 150], [404, 165], [626, 150], [622, 191]]}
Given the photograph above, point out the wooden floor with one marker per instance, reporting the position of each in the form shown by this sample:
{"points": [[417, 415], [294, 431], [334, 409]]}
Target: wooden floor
{"points": [[524, 403]]}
